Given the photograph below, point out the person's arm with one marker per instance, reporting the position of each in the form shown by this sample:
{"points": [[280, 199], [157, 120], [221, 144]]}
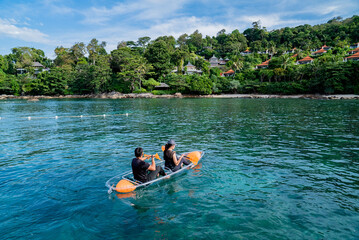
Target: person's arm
{"points": [[152, 167], [175, 161]]}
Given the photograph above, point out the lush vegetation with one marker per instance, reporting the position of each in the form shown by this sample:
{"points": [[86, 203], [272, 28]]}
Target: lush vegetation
{"points": [[140, 66]]}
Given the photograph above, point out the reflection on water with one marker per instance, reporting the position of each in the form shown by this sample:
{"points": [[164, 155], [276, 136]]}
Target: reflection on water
{"points": [[273, 169]]}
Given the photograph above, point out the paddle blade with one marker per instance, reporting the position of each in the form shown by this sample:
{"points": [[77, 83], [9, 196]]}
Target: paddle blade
{"points": [[158, 157], [125, 186], [194, 157], [163, 148]]}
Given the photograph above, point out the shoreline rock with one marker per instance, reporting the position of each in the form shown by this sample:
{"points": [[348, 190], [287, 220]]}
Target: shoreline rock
{"points": [[117, 95]]}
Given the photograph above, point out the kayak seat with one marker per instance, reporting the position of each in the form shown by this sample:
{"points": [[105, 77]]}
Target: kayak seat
{"points": [[132, 179]]}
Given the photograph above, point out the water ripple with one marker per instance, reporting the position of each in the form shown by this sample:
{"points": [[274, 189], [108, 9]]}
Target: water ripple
{"points": [[273, 169]]}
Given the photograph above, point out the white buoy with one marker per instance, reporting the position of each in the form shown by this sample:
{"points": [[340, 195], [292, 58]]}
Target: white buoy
{"points": [[29, 118], [104, 115], [0, 118], [126, 114], [56, 117], [81, 116]]}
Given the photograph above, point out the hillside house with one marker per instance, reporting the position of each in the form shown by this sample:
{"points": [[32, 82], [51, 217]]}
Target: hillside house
{"points": [[294, 56], [221, 61], [162, 86], [38, 68], [325, 47], [319, 52], [264, 52], [246, 52], [229, 73], [191, 69], [214, 61], [264, 64], [354, 57], [305, 60], [355, 45], [353, 51]]}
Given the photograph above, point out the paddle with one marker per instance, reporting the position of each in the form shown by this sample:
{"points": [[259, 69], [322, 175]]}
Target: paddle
{"points": [[192, 156], [156, 156]]}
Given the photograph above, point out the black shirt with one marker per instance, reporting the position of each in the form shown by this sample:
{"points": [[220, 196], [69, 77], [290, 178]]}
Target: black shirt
{"points": [[139, 169], [168, 156]]}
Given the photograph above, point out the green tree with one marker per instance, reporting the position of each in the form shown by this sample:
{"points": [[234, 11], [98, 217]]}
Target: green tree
{"points": [[95, 49], [150, 84], [159, 55], [78, 51], [130, 67]]}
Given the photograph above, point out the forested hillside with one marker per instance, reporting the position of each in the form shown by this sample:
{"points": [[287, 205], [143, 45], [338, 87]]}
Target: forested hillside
{"points": [[184, 64]]}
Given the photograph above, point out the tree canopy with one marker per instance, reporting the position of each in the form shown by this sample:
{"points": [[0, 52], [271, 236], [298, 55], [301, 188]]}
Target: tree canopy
{"points": [[138, 66]]}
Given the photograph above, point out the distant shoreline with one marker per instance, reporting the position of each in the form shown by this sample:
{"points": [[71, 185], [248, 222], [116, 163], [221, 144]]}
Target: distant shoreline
{"points": [[116, 95]]}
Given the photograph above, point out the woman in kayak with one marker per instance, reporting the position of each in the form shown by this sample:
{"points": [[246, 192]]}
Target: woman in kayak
{"points": [[171, 159], [143, 171]]}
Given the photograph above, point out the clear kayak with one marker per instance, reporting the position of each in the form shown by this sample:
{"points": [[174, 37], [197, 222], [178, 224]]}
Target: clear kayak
{"points": [[125, 183]]}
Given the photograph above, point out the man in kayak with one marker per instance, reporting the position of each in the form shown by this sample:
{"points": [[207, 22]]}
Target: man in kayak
{"points": [[171, 159], [143, 171]]}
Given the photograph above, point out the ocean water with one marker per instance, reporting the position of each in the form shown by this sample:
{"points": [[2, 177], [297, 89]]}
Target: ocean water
{"points": [[273, 169]]}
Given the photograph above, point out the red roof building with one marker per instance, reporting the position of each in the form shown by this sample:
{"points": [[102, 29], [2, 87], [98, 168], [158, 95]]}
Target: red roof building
{"points": [[354, 57], [305, 60], [325, 47], [356, 50], [263, 64], [228, 73], [320, 51], [246, 52]]}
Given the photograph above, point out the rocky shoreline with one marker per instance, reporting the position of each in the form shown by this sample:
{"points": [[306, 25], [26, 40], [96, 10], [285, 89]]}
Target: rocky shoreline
{"points": [[117, 95]]}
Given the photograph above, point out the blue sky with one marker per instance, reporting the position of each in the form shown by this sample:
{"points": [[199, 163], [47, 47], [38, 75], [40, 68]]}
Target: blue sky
{"points": [[46, 24]]}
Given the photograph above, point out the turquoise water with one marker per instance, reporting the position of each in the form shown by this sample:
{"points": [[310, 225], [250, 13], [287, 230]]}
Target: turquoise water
{"points": [[273, 169]]}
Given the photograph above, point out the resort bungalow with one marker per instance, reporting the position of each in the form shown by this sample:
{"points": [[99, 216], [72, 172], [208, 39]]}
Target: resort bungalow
{"points": [[356, 50], [221, 61], [305, 60], [38, 68], [162, 86], [246, 52], [191, 69], [319, 52], [325, 47], [20, 71], [264, 52], [355, 45], [229, 73], [263, 64], [214, 61], [354, 57]]}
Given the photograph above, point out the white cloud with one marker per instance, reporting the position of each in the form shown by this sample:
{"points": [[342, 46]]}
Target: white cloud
{"points": [[137, 11], [178, 26], [56, 6], [23, 33], [270, 20]]}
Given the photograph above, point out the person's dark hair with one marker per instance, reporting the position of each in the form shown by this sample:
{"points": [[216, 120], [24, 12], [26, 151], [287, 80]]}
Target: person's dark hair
{"points": [[138, 152], [167, 146]]}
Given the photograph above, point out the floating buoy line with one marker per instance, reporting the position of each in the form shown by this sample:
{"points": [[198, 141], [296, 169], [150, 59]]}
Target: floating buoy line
{"points": [[80, 116]]}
